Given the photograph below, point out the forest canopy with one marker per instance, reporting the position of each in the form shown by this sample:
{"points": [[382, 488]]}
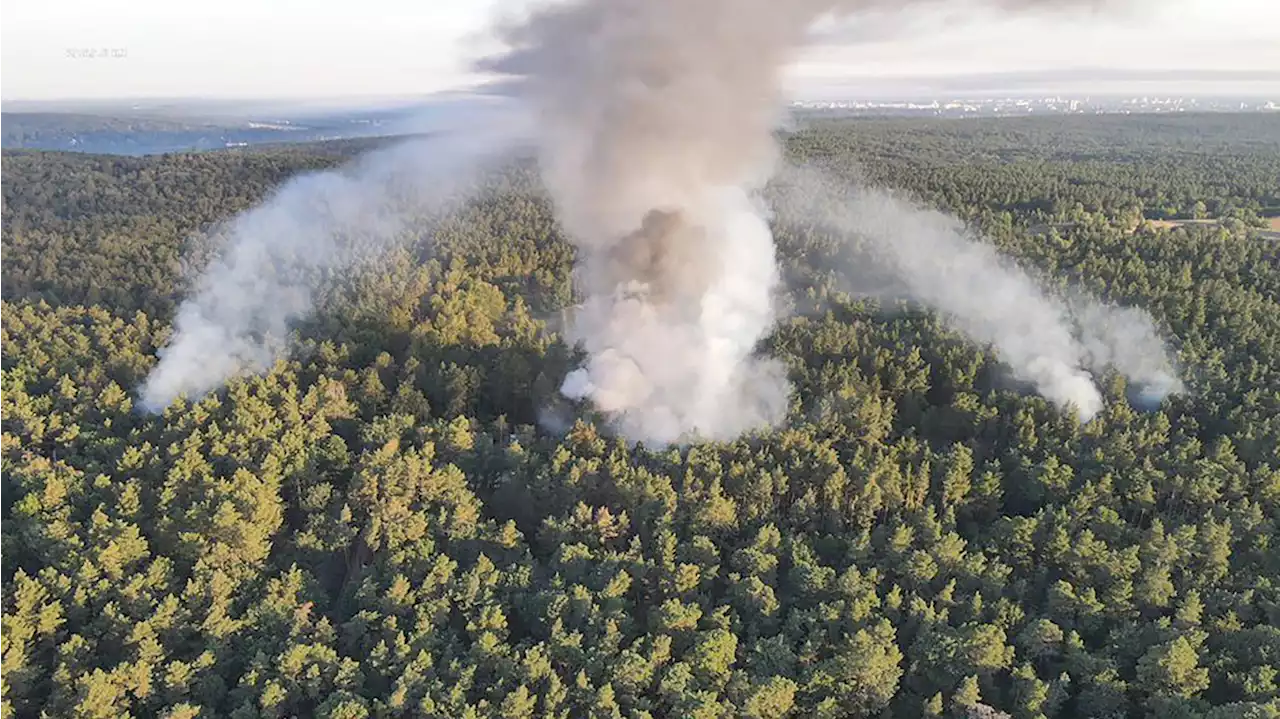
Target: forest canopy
{"points": [[385, 525]]}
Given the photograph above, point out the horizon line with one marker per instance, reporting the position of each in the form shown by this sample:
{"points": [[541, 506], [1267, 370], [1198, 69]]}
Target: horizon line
{"points": [[492, 87]]}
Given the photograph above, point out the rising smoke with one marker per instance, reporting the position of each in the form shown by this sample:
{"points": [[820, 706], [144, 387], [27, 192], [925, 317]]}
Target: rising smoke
{"points": [[1126, 339], [273, 258], [655, 120], [1051, 343]]}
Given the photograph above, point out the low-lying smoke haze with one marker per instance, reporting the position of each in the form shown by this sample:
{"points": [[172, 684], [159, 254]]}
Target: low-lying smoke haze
{"points": [[654, 122], [1051, 343], [273, 258], [1126, 339]]}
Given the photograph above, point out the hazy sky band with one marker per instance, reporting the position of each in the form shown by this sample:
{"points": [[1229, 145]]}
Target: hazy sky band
{"points": [[290, 48]]}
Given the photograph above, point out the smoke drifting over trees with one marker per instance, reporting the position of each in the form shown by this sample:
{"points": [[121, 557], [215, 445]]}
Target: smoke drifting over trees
{"points": [[654, 121], [668, 107], [274, 257], [931, 258]]}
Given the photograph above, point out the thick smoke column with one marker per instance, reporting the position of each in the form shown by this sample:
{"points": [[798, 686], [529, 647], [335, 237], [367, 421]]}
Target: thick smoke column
{"points": [[655, 122], [277, 254], [1047, 342]]}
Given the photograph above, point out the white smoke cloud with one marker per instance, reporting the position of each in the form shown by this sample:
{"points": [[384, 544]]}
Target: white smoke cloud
{"points": [[278, 254], [1126, 339], [1048, 342], [655, 121]]}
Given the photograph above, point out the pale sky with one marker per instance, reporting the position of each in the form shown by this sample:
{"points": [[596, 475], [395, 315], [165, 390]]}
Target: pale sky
{"points": [[102, 49]]}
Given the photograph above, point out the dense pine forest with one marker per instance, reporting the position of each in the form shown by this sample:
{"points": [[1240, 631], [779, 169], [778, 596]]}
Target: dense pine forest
{"points": [[386, 525]]}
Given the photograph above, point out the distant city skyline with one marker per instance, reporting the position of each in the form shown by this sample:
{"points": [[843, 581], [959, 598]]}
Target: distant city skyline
{"points": [[1077, 83], [980, 106], [291, 49]]}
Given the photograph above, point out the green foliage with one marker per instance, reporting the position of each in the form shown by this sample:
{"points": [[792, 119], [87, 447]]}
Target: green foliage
{"points": [[377, 527]]}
